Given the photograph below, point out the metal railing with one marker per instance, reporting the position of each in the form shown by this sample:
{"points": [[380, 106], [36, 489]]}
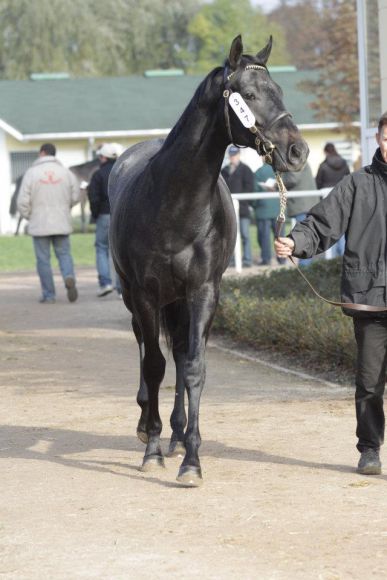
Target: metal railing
{"points": [[318, 193]]}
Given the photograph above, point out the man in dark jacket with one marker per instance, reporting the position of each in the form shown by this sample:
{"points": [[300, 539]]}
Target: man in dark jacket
{"points": [[240, 179], [356, 207], [100, 210], [330, 172]]}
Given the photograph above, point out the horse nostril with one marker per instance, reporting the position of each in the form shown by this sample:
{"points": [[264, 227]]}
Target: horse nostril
{"points": [[298, 152], [295, 152]]}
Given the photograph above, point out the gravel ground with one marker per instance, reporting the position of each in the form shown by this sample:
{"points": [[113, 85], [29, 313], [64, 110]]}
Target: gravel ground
{"points": [[280, 500]]}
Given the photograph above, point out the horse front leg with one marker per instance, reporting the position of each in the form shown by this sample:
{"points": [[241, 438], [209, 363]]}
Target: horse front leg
{"points": [[177, 322], [202, 306]]}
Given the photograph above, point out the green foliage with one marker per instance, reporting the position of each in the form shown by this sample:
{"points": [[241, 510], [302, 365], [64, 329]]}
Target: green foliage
{"points": [[17, 253], [216, 24], [121, 37], [278, 311], [92, 37]]}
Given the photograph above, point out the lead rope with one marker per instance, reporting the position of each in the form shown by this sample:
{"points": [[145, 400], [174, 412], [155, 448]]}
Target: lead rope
{"points": [[283, 200], [278, 229]]}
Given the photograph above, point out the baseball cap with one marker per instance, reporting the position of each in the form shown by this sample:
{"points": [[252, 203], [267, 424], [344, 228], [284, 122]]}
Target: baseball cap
{"points": [[110, 150], [233, 150]]}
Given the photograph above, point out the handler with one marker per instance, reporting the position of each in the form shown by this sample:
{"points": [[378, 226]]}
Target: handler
{"points": [[357, 207]]}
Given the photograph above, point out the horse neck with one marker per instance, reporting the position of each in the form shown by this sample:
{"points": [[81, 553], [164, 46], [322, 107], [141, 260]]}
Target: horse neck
{"points": [[198, 141]]}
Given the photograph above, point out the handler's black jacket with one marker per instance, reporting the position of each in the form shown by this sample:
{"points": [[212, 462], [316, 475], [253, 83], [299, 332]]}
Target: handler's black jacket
{"points": [[240, 181], [356, 207], [98, 190]]}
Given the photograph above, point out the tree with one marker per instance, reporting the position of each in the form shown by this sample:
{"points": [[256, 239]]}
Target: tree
{"points": [[215, 25], [301, 23], [337, 88], [44, 36], [92, 37], [157, 33]]}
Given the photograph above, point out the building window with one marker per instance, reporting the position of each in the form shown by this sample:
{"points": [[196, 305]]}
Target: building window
{"points": [[20, 162]]}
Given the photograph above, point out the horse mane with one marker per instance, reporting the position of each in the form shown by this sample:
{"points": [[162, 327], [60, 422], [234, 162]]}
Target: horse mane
{"points": [[195, 102]]}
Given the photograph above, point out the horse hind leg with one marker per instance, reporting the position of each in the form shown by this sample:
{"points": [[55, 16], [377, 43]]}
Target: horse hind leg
{"points": [[147, 317], [142, 394], [178, 418], [154, 370], [177, 323]]}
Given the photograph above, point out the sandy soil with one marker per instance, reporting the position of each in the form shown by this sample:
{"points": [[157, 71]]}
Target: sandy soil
{"points": [[281, 498]]}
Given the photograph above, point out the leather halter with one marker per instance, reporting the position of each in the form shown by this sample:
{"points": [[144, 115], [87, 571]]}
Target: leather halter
{"points": [[263, 145]]}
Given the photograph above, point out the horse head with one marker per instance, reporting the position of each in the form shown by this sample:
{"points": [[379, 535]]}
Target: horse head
{"points": [[254, 111]]}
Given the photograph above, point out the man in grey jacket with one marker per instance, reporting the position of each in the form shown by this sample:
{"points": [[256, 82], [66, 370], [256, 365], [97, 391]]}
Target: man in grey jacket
{"points": [[356, 207], [47, 194]]}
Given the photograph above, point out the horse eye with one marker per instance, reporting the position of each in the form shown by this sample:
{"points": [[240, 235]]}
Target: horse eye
{"points": [[249, 97]]}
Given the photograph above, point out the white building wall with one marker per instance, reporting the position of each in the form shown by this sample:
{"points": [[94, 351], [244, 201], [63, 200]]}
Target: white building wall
{"points": [[6, 226]]}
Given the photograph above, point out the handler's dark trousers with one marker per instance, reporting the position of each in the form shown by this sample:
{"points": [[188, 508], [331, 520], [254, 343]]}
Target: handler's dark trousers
{"points": [[371, 338]]}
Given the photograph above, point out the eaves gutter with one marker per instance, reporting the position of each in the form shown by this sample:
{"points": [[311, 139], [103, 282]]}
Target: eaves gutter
{"points": [[129, 133], [11, 130], [24, 137]]}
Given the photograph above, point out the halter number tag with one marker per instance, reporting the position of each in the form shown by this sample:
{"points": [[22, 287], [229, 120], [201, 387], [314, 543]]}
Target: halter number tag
{"points": [[242, 111]]}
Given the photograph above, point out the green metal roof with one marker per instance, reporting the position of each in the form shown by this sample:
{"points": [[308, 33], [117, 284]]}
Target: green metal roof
{"points": [[132, 103]]}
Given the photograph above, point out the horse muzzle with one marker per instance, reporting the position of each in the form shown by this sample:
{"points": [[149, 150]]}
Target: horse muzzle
{"points": [[295, 158]]}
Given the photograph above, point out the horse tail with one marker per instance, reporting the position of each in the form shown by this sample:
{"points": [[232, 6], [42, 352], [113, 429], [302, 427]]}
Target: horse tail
{"points": [[174, 322], [166, 327]]}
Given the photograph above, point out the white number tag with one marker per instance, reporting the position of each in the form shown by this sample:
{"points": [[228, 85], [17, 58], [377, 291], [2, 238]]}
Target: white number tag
{"points": [[242, 111]]}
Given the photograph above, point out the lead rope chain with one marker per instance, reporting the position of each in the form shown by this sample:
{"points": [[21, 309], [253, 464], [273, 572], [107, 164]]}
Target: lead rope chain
{"points": [[283, 199], [278, 229]]}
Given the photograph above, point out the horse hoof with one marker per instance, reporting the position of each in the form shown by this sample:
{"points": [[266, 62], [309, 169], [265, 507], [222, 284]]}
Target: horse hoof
{"points": [[152, 463], [143, 436], [176, 449], [190, 476]]}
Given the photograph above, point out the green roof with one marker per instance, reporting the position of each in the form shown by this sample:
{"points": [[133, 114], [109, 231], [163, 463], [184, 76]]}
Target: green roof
{"points": [[134, 103]]}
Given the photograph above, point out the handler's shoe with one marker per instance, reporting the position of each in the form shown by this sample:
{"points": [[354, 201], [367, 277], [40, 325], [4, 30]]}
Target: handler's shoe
{"points": [[72, 292], [369, 462], [105, 290]]}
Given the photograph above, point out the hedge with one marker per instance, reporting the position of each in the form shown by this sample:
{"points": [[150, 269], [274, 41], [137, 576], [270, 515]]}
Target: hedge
{"points": [[279, 312]]}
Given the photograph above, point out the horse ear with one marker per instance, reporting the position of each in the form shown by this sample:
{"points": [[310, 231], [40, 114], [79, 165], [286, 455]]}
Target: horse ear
{"points": [[263, 55], [235, 52]]}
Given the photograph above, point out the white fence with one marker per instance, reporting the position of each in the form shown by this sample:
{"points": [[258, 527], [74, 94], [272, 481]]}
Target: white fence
{"points": [[318, 193]]}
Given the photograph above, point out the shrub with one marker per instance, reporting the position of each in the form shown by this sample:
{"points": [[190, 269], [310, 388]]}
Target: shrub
{"points": [[278, 311]]}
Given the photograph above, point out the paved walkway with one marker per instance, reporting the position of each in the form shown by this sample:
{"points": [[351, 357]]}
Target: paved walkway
{"points": [[281, 498]]}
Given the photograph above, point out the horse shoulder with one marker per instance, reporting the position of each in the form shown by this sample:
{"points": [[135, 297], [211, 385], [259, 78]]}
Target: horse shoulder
{"points": [[130, 165]]}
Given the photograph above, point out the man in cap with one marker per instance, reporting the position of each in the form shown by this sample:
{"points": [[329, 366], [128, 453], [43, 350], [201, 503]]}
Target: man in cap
{"points": [[100, 210], [240, 179]]}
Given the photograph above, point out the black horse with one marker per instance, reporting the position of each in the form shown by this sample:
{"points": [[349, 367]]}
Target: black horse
{"points": [[173, 232]]}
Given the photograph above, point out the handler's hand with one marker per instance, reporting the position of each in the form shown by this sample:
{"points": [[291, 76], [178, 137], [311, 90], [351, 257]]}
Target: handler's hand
{"points": [[284, 247]]}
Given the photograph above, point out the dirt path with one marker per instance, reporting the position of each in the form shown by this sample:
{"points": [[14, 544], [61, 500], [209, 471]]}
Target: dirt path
{"points": [[281, 499]]}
